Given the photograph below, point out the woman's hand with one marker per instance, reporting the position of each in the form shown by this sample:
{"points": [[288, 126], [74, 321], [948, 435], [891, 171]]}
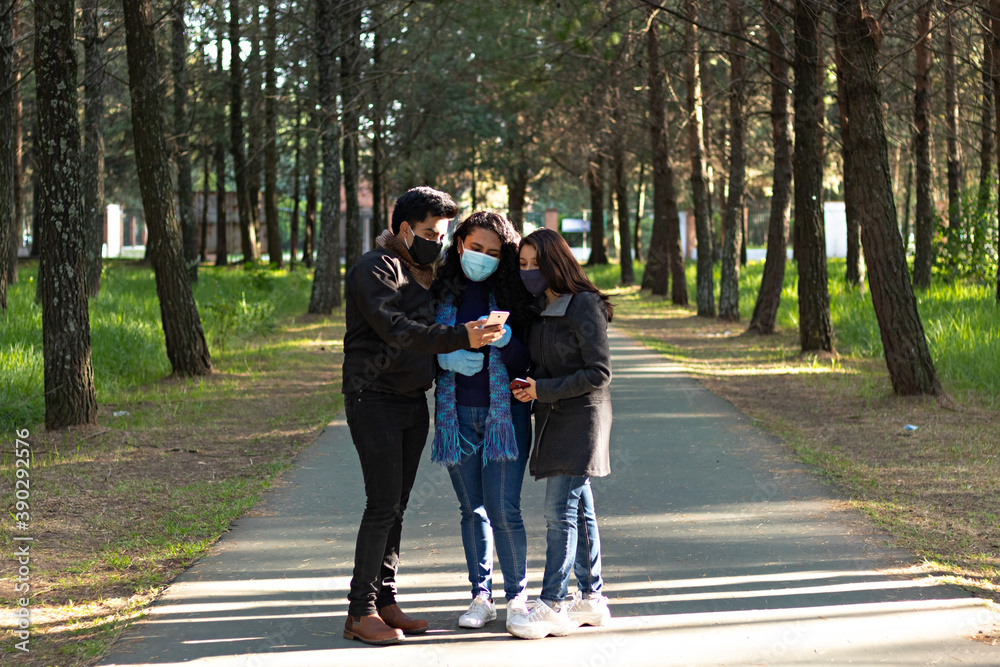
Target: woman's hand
{"points": [[527, 393]]}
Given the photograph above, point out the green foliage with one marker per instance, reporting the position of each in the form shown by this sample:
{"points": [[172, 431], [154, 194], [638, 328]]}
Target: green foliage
{"points": [[970, 253], [126, 337]]}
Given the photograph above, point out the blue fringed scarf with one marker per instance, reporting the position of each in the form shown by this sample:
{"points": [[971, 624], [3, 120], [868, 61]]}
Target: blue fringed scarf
{"points": [[499, 443]]}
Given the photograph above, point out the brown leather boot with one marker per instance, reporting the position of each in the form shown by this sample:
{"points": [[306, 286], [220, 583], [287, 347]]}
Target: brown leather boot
{"points": [[395, 618], [371, 630]]}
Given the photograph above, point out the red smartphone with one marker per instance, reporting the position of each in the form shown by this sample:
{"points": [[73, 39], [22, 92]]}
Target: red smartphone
{"points": [[519, 383]]}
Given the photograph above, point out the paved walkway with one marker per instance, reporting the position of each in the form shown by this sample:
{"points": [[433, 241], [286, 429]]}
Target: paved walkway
{"points": [[718, 550]]}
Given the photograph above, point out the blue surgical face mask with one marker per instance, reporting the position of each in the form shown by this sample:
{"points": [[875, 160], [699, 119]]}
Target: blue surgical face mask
{"points": [[534, 281], [478, 266]]}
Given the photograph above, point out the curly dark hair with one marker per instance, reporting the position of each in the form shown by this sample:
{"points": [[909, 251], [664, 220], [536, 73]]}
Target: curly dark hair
{"points": [[505, 283]]}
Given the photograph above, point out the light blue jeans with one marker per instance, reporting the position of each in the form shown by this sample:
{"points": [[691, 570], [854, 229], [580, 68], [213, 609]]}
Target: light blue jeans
{"points": [[572, 539], [489, 497]]}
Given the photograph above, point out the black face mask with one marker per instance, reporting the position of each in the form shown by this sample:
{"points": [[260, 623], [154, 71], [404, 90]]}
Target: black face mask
{"points": [[424, 252]]}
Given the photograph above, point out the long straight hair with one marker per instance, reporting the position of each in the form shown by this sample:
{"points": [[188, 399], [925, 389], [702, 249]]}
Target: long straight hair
{"points": [[559, 267]]}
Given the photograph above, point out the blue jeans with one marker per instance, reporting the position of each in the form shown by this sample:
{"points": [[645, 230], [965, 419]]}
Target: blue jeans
{"points": [[572, 539], [489, 497]]}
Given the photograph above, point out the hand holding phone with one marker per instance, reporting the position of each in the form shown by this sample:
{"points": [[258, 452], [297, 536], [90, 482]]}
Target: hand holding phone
{"points": [[519, 383], [496, 318]]}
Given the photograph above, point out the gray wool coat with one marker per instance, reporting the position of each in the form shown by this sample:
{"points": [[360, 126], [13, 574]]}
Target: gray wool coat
{"points": [[572, 369]]}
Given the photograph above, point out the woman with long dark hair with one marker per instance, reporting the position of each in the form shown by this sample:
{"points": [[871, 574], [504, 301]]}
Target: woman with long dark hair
{"points": [[570, 378], [480, 432]]}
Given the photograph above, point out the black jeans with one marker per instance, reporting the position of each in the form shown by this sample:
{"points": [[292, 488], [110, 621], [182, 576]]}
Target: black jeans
{"points": [[389, 433]]}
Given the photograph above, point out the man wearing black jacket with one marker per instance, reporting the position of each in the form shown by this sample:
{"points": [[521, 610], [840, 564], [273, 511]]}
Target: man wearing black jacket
{"points": [[389, 364]]}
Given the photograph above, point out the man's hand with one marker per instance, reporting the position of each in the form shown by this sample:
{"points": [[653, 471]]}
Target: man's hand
{"points": [[527, 393], [479, 337]]}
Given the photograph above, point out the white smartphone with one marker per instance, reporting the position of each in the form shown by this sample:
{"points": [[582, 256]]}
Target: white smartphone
{"points": [[496, 318]]}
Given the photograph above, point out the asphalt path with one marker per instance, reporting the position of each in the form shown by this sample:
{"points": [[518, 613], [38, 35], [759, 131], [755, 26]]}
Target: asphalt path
{"points": [[719, 549]]}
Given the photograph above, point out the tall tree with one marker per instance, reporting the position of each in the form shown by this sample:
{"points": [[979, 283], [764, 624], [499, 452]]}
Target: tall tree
{"points": [[854, 274], [248, 232], [296, 181], [7, 77], [254, 117], [765, 311], [221, 226], [326, 279], [995, 75], [951, 76], [732, 219], [815, 327], [351, 94], [705, 293], [595, 185], [312, 187], [17, 154], [182, 143], [985, 114], [657, 275], [376, 113], [271, 134], [621, 197], [907, 357], [93, 139], [70, 398], [185, 340], [923, 258]]}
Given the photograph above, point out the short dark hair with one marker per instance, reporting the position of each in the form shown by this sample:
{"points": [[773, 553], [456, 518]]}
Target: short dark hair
{"points": [[417, 203]]}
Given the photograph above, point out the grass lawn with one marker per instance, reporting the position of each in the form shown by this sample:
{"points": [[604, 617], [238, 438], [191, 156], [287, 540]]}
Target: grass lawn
{"points": [[119, 509], [936, 489]]}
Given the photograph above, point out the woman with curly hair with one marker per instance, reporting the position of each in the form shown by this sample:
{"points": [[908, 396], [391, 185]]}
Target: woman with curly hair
{"points": [[480, 433]]}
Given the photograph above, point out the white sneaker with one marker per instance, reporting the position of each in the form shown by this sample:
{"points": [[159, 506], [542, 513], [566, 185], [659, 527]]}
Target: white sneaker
{"points": [[515, 608], [590, 610], [541, 621], [481, 612]]}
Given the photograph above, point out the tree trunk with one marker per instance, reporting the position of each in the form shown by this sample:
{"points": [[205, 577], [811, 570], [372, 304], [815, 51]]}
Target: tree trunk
{"points": [[923, 259], [92, 168], [595, 183], [326, 280], [705, 281], [182, 145], [351, 94], [732, 222], [221, 228], [815, 328], [206, 175], [17, 152], [765, 311], [986, 117], [274, 250], [657, 275], [951, 128], [70, 398], [640, 199], [995, 75], [376, 120], [296, 182], [908, 198], [312, 174], [255, 122], [517, 189], [621, 196], [906, 354], [854, 275], [248, 232], [7, 77], [185, 339]]}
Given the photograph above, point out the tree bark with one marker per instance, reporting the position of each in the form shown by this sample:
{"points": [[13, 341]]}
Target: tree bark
{"points": [[17, 153], [182, 142], [206, 175], [254, 121], [378, 108], [248, 232], [705, 292], [92, 172], [296, 182], [351, 94], [854, 275], [221, 228], [995, 75], [923, 259], [951, 75], [312, 175], [732, 222], [640, 199], [815, 327], [907, 357], [274, 250], [7, 78], [595, 184], [907, 199], [657, 275], [326, 280], [186, 347], [765, 311], [70, 398], [621, 196], [986, 117]]}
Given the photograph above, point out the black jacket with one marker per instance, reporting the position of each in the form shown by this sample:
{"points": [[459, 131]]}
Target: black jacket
{"points": [[572, 372], [391, 337]]}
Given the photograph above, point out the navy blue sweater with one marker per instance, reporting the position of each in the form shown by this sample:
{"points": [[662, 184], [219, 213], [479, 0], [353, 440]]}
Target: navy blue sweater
{"points": [[474, 391]]}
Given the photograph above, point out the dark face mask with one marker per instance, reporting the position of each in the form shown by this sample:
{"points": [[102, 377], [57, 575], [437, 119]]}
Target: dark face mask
{"points": [[534, 281], [422, 251]]}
